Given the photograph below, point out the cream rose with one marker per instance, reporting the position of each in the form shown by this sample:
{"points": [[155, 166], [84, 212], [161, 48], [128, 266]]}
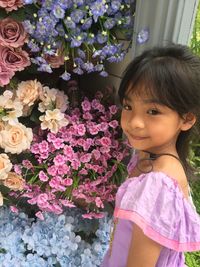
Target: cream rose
{"points": [[28, 92], [53, 120], [5, 166], [14, 182], [16, 138]]}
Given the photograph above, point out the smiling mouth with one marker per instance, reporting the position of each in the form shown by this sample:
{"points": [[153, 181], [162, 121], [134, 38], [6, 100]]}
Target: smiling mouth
{"points": [[137, 137]]}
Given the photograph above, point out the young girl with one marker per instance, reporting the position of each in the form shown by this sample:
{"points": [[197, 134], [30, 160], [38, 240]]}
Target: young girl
{"points": [[155, 219]]}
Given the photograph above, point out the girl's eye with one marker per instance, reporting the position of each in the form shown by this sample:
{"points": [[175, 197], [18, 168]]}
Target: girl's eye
{"points": [[153, 112], [126, 107]]}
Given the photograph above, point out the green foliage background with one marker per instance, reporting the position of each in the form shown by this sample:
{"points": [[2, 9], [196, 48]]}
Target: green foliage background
{"points": [[193, 259]]}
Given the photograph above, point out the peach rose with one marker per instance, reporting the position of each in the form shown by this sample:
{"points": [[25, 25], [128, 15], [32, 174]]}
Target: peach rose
{"points": [[14, 181], [1, 199], [5, 75], [12, 33], [28, 92], [55, 61], [10, 5], [5, 166], [16, 138], [14, 59]]}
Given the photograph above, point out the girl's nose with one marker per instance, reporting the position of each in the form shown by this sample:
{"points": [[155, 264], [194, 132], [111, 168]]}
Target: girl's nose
{"points": [[135, 122]]}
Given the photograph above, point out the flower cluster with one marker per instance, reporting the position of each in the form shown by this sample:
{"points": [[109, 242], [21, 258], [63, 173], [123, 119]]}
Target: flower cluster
{"points": [[78, 164], [10, 5], [24, 243], [15, 137], [12, 57], [81, 35]]}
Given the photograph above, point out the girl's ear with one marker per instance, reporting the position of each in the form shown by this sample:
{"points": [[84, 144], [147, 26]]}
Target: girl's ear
{"points": [[189, 120]]}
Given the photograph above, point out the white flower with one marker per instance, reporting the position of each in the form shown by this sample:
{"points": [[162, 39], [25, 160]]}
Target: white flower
{"points": [[5, 166], [16, 138], [1, 199], [10, 109], [53, 120], [48, 98], [28, 92]]}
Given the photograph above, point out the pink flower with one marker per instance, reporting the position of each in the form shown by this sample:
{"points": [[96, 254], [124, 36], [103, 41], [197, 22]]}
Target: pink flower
{"points": [[114, 124], [58, 143], [40, 215], [27, 164], [105, 141], [68, 152], [93, 129], [81, 129], [75, 164], [99, 203], [59, 160], [12, 33], [113, 109], [96, 154], [42, 200], [85, 158], [86, 106], [14, 59], [43, 177], [5, 74], [103, 126], [14, 209], [87, 116], [67, 203], [35, 148], [10, 5], [92, 215], [43, 146], [67, 182], [51, 137], [64, 169], [52, 170]]}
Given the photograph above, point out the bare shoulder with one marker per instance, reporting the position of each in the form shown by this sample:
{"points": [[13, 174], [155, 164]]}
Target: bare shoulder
{"points": [[173, 168]]}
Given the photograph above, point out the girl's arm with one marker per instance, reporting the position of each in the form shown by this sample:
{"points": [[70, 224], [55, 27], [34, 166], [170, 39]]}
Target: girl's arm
{"points": [[143, 251]]}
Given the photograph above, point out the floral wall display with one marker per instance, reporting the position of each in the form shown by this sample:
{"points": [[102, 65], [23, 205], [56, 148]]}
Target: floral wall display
{"points": [[61, 149]]}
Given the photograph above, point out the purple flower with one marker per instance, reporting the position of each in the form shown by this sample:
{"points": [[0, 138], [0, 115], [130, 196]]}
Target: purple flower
{"points": [[58, 11], [86, 24], [43, 146], [81, 129], [70, 23], [103, 73], [66, 76], [98, 8], [105, 141], [143, 36], [77, 15]]}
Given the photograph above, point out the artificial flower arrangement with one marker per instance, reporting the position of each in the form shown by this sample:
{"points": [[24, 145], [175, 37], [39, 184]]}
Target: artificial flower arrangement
{"points": [[69, 157], [81, 36]]}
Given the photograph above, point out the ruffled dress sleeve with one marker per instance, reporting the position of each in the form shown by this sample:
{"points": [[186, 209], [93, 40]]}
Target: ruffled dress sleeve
{"points": [[155, 202]]}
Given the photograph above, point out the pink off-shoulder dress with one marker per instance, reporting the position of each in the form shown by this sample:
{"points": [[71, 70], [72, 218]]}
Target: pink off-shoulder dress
{"points": [[155, 202]]}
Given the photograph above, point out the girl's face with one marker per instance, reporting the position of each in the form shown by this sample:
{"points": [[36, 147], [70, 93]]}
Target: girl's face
{"points": [[149, 125]]}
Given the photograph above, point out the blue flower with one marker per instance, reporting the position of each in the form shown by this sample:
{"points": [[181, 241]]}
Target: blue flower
{"points": [[98, 8], [143, 36], [66, 76]]}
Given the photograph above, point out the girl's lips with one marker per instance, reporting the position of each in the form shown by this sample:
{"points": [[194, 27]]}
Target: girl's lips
{"points": [[137, 137]]}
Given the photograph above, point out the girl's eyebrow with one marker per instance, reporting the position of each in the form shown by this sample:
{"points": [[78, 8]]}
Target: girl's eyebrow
{"points": [[146, 101], [152, 101]]}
